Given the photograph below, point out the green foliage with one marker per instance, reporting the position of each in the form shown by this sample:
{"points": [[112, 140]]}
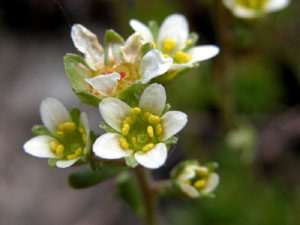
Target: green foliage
{"points": [[131, 95], [88, 177], [76, 75], [40, 130]]}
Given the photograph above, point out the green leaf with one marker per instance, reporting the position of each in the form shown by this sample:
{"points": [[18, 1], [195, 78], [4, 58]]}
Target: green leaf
{"points": [[172, 140], [131, 95], [129, 191], [146, 48], [75, 115], [107, 128], [131, 161], [112, 38], [52, 162], [154, 28], [40, 130], [88, 177], [74, 66]]}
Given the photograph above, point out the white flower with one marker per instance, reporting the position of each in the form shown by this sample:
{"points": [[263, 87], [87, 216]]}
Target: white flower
{"points": [[107, 80], [196, 181], [141, 131], [254, 8], [67, 141], [173, 40]]}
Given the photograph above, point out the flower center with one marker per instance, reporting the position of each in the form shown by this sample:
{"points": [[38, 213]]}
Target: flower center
{"points": [[140, 130], [252, 4], [199, 181], [70, 142], [179, 56]]}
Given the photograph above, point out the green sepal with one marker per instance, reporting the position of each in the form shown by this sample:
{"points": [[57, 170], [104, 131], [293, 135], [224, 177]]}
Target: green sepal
{"points": [[131, 161], [131, 95], [166, 109], [154, 28], [107, 128], [76, 75], [40, 130], [52, 162], [169, 76], [75, 115], [171, 141], [88, 177], [211, 166], [194, 38], [180, 167], [146, 48], [110, 37], [129, 191]]}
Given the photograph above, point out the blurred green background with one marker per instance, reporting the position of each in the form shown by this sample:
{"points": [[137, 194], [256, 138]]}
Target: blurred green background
{"points": [[243, 109]]}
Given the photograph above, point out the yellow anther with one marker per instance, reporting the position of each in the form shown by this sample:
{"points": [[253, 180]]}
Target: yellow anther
{"points": [[189, 42], [72, 156], [200, 184], [150, 131], [148, 147], [83, 136], [135, 111], [71, 126], [81, 130], [182, 57], [202, 172], [60, 133], [125, 129], [166, 55], [146, 115], [78, 151], [169, 44], [128, 120], [61, 127], [188, 182], [123, 142], [154, 45], [153, 119], [133, 140], [60, 150], [158, 129], [53, 145]]}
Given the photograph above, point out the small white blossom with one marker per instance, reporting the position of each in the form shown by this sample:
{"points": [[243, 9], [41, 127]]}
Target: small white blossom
{"points": [[254, 8], [67, 141], [141, 132], [173, 40], [126, 64]]}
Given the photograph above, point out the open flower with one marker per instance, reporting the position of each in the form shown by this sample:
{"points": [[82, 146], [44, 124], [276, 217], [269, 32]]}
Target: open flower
{"points": [[254, 8], [63, 139], [118, 67], [195, 180], [141, 132], [174, 41]]}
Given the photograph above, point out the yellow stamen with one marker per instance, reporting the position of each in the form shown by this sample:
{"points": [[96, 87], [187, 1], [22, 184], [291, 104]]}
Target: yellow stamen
{"points": [[72, 156], [153, 119], [148, 147], [166, 55], [125, 129], [81, 130], [60, 150], [158, 129], [83, 136], [78, 151], [71, 126], [188, 182], [133, 140], [60, 133], [154, 45], [128, 120], [123, 142], [53, 145], [135, 111], [146, 115], [189, 42], [200, 184], [169, 44], [150, 131], [202, 172], [182, 57]]}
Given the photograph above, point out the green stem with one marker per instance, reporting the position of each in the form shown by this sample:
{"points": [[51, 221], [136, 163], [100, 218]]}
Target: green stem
{"points": [[149, 195]]}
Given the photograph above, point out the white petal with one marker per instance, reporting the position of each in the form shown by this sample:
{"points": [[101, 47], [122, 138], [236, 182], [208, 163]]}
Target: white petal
{"points": [[189, 190], [176, 27], [181, 66], [200, 53], [65, 163], [39, 146], [114, 111], [132, 48], [274, 5], [108, 146], [154, 64], [53, 113], [106, 84], [87, 43], [188, 173], [154, 158], [212, 183], [83, 120], [173, 122], [137, 26], [153, 99]]}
